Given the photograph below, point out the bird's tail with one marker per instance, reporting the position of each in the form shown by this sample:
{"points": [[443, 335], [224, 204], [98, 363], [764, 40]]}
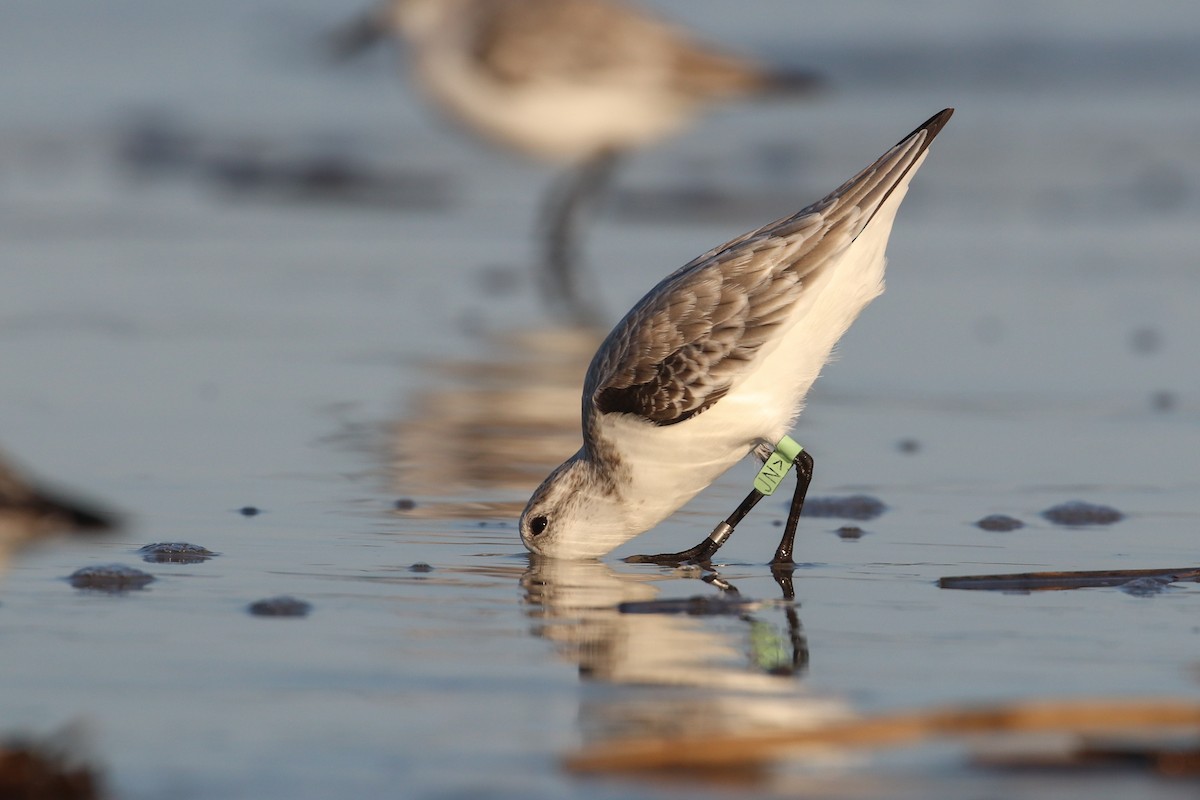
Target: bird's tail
{"points": [[712, 74]]}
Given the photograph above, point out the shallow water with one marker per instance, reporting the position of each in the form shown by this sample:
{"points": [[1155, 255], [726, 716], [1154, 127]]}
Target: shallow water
{"points": [[184, 350]]}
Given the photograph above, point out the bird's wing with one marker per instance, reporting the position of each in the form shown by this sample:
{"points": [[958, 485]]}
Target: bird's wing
{"points": [[686, 343], [585, 42]]}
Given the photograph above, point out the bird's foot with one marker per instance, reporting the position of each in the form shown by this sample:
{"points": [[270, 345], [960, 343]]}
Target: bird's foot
{"points": [[782, 571], [700, 554]]}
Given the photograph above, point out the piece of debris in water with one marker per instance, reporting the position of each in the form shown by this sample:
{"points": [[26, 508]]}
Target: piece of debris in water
{"points": [[859, 507], [999, 522], [282, 606], [175, 553], [112, 578], [1077, 513]]}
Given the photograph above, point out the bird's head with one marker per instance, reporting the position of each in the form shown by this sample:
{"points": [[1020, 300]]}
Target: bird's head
{"points": [[575, 513]]}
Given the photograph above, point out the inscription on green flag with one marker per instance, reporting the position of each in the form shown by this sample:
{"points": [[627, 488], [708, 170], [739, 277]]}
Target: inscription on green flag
{"points": [[777, 466]]}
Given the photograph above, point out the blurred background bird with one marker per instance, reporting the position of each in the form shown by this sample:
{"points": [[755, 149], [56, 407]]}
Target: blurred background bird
{"points": [[572, 82], [30, 513]]}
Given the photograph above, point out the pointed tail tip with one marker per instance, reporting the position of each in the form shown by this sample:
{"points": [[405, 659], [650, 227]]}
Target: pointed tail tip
{"points": [[930, 127], [933, 126]]}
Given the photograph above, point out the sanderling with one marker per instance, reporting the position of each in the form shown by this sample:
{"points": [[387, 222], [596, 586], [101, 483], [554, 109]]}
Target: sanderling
{"points": [[29, 513], [714, 363], [570, 81]]}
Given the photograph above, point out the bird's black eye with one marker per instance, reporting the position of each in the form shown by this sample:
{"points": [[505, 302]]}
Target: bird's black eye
{"points": [[538, 524]]}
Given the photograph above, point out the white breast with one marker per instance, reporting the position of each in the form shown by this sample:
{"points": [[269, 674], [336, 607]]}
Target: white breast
{"points": [[551, 120]]}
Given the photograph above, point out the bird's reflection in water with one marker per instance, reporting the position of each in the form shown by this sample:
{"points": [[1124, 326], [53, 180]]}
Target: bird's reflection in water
{"points": [[709, 660], [659, 652], [481, 442]]}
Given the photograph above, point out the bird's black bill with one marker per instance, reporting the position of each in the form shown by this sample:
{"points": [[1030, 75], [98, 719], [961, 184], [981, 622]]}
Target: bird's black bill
{"points": [[78, 515], [354, 37], [795, 83]]}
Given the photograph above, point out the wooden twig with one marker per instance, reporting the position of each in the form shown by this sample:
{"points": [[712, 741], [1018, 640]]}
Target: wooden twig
{"points": [[1052, 581], [887, 730]]}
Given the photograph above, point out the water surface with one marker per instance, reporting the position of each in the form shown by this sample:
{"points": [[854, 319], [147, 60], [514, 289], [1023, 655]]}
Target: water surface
{"points": [[184, 350]]}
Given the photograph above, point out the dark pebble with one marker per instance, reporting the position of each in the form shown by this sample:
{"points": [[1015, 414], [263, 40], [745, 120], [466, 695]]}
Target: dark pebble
{"points": [[330, 172], [175, 553], [1162, 401], [1145, 341], [155, 142], [420, 566], [908, 446], [855, 506], [282, 606], [500, 280], [110, 578], [1000, 522], [1077, 512], [1146, 587], [249, 511], [850, 532], [405, 504]]}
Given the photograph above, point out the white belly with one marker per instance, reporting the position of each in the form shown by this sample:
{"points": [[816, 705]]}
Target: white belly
{"points": [[552, 120]]}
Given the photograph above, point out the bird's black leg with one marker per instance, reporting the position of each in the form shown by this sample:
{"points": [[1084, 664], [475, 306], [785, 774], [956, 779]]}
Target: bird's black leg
{"points": [[561, 212], [704, 551], [782, 564]]}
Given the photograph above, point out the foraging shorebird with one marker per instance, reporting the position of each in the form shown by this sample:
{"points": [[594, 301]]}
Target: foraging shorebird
{"points": [[576, 82], [29, 513], [714, 363]]}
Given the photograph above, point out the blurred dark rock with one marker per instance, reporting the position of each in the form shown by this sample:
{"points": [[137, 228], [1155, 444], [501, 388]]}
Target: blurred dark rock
{"points": [[855, 506], [1000, 522], [111, 578], [1078, 513], [282, 606]]}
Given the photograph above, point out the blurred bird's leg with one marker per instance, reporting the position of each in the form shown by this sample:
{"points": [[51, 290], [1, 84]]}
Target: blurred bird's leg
{"points": [[568, 200]]}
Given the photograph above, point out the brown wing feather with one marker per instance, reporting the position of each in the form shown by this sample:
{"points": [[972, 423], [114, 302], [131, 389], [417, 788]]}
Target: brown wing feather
{"points": [[683, 346], [575, 41]]}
